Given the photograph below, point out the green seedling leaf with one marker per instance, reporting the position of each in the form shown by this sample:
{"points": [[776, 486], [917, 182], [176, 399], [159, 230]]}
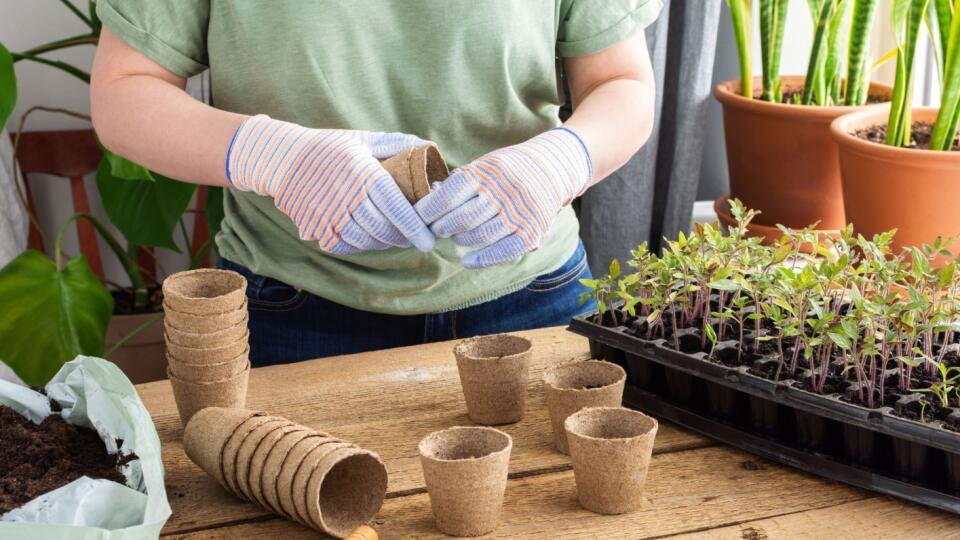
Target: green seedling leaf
{"points": [[145, 212], [614, 268], [724, 285], [49, 316], [8, 86], [840, 340]]}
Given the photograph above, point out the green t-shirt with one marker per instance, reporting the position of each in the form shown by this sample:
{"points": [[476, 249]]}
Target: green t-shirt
{"points": [[470, 75]]}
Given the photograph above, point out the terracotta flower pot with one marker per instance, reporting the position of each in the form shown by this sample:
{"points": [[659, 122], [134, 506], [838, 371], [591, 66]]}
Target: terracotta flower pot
{"points": [[885, 187], [781, 158]]}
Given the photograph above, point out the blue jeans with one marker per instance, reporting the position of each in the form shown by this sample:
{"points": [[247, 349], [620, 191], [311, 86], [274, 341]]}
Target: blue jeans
{"points": [[288, 325]]}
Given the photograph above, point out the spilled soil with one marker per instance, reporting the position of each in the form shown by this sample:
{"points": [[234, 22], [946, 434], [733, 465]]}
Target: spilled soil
{"points": [[35, 459]]}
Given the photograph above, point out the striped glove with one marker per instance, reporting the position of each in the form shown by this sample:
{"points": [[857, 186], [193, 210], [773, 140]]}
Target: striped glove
{"points": [[329, 182], [505, 201]]}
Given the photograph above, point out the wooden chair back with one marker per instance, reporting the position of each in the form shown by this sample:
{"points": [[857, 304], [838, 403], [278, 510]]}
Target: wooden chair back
{"points": [[73, 154]]}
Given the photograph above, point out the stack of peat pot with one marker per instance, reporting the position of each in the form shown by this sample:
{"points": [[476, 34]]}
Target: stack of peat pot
{"points": [[205, 329]]}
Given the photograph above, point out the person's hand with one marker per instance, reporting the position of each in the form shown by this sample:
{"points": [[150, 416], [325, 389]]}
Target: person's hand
{"points": [[504, 202], [329, 182]]}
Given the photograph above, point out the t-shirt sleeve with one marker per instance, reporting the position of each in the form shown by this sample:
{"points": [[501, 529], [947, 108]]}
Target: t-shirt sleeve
{"points": [[173, 33], [589, 26]]}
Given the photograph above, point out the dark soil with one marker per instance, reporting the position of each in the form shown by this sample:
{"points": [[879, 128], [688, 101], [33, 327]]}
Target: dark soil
{"points": [[37, 459], [768, 370], [920, 132], [839, 380], [890, 398], [933, 411], [728, 357], [794, 95]]}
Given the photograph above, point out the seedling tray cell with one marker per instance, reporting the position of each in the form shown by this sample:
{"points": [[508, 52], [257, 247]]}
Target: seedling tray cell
{"points": [[820, 434]]}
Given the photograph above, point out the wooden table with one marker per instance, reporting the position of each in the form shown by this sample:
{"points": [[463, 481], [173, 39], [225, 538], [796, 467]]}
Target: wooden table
{"points": [[387, 401]]}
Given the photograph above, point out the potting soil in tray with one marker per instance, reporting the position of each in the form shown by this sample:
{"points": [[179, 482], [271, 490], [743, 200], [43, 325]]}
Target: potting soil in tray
{"points": [[36, 459], [740, 402]]}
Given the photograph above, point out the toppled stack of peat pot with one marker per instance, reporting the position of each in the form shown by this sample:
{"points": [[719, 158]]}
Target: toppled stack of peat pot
{"points": [[288, 469], [205, 328]]}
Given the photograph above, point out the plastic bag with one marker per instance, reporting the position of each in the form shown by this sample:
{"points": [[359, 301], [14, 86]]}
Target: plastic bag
{"points": [[94, 393]]}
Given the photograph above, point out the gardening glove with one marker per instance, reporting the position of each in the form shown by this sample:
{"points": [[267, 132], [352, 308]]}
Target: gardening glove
{"points": [[504, 202], [329, 182]]}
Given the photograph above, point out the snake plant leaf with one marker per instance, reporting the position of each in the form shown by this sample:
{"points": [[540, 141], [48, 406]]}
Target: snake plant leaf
{"points": [[147, 213], [50, 315], [8, 86]]}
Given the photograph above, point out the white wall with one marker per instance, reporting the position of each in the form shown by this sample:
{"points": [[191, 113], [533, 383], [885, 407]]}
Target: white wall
{"points": [[28, 23]]}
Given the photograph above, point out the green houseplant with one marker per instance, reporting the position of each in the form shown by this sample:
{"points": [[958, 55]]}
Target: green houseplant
{"points": [[780, 156], [856, 311], [901, 169], [54, 308], [843, 362]]}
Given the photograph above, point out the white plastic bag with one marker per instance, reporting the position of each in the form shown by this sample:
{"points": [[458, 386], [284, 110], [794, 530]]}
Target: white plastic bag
{"points": [[94, 393]]}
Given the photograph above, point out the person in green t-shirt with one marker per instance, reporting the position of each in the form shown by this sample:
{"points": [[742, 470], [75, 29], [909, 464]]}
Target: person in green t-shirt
{"points": [[308, 96]]}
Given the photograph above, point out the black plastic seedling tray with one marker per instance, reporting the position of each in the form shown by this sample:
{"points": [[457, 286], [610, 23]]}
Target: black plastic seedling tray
{"points": [[820, 434]]}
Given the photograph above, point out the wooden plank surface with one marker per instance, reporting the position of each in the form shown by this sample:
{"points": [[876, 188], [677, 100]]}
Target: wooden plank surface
{"points": [[686, 491], [874, 518], [388, 400], [385, 401]]}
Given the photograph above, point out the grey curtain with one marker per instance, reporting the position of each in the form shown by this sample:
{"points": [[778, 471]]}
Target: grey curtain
{"points": [[652, 195]]}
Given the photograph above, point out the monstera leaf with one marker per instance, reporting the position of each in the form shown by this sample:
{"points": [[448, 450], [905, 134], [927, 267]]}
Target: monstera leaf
{"points": [[50, 315], [8, 86], [123, 168], [145, 211]]}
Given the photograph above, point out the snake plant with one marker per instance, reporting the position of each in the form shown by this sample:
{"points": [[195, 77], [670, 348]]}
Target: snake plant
{"points": [[948, 118], [907, 18], [840, 46]]}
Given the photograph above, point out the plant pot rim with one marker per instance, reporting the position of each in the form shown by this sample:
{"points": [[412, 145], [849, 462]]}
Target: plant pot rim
{"points": [[464, 349], [727, 94], [504, 437], [721, 208], [623, 412], [621, 376], [841, 129]]}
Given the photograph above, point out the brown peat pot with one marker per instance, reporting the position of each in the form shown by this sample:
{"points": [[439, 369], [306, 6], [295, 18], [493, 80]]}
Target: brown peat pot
{"points": [[575, 385], [416, 170], [611, 449], [465, 469], [886, 187], [781, 158]]}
